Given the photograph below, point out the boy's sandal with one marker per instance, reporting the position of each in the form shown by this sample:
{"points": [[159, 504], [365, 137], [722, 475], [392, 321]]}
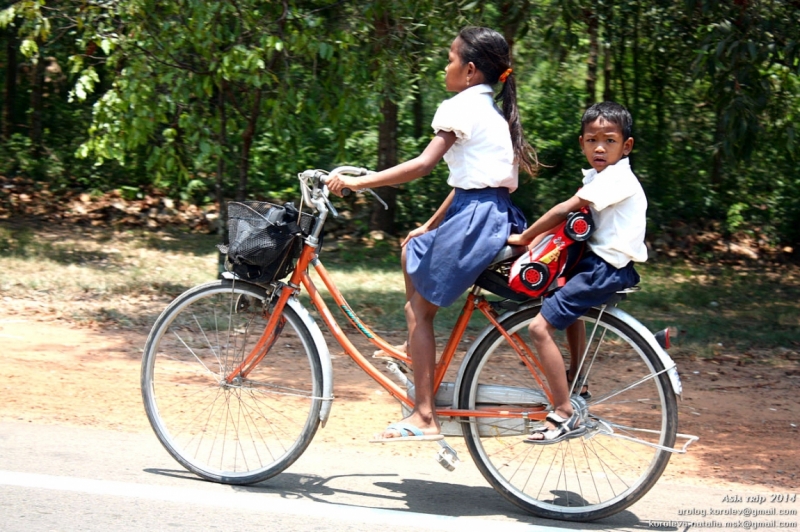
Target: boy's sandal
{"points": [[565, 429], [585, 394]]}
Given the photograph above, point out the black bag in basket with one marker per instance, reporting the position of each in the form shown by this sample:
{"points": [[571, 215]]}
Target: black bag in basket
{"points": [[264, 240]]}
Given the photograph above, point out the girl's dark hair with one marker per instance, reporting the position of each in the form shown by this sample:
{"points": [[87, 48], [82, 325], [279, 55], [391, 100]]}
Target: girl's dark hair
{"points": [[612, 112], [490, 54]]}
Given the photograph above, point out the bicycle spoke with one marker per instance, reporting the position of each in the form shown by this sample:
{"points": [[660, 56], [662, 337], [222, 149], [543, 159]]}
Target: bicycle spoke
{"points": [[193, 353], [237, 432], [612, 463]]}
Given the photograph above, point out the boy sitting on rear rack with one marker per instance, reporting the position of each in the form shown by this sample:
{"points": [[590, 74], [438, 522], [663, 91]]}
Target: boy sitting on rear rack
{"points": [[618, 205]]}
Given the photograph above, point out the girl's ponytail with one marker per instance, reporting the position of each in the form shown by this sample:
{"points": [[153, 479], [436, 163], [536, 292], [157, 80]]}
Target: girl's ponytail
{"points": [[524, 152], [489, 51]]}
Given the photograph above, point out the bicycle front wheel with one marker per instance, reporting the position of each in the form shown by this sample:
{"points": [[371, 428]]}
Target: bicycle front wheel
{"points": [[631, 417], [240, 432]]}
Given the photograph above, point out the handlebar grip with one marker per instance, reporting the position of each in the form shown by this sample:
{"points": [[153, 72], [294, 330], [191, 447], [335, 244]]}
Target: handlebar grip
{"points": [[346, 192]]}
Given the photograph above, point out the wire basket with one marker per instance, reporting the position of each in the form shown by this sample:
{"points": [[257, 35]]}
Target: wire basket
{"points": [[263, 239]]}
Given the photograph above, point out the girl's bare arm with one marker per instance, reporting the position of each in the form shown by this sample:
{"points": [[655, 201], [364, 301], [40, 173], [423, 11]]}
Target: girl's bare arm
{"points": [[434, 220], [404, 172]]}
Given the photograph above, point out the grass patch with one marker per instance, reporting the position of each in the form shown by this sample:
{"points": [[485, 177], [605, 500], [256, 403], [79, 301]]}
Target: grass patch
{"points": [[127, 278], [722, 307], [98, 275]]}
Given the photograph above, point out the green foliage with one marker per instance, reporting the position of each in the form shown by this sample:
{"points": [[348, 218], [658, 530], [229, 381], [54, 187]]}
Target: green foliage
{"points": [[214, 100]]}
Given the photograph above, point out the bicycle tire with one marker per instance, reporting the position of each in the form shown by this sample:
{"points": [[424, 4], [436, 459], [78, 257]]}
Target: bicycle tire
{"points": [[591, 476], [238, 433]]}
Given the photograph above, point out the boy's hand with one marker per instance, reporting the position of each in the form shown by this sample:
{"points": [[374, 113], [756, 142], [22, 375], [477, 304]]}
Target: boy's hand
{"points": [[517, 240]]}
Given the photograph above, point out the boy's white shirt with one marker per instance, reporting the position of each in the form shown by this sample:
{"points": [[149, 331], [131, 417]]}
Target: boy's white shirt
{"points": [[482, 155], [619, 209]]}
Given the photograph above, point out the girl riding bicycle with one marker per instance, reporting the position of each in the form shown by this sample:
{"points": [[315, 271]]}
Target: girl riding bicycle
{"points": [[484, 148]]}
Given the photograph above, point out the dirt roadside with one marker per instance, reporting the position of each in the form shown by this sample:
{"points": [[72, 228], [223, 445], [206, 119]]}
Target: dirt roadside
{"points": [[55, 372]]}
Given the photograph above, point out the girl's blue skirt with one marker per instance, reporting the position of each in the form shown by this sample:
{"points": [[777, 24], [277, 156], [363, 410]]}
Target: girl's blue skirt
{"points": [[445, 262]]}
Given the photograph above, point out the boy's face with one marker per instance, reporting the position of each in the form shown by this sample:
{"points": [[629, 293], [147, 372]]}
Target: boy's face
{"points": [[602, 144]]}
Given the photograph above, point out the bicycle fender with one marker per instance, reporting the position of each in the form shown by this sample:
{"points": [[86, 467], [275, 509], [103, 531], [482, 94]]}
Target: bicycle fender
{"points": [[669, 364], [324, 357]]}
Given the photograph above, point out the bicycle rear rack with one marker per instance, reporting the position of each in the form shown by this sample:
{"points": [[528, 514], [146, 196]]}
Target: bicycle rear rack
{"points": [[608, 430]]}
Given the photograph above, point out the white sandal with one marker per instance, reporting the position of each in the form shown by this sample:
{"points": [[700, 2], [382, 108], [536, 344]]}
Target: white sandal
{"points": [[565, 429]]}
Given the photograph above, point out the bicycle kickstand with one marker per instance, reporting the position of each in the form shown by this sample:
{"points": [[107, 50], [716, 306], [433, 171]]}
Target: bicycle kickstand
{"points": [[447, 456]]}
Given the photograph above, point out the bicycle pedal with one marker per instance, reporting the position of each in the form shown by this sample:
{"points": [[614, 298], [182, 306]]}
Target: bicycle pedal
{"points": [[447, 456]]}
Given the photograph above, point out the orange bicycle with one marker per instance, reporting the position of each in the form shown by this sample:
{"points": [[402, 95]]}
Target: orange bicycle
{"points": [[236, 379]]}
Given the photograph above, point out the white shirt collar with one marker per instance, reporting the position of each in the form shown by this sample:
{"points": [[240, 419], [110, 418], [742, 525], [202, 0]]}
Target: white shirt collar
{"points": [[622, 164], [483, 88]]}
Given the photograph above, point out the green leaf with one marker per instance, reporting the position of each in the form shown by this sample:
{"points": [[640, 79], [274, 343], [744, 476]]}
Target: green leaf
{"points": [[29, 48]]}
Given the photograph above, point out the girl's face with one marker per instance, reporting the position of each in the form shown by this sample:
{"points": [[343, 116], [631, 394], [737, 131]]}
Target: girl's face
{"points": [[456, 74]]}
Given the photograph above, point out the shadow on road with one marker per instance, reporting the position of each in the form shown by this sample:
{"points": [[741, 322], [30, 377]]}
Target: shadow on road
{"points": [[392, 492]]}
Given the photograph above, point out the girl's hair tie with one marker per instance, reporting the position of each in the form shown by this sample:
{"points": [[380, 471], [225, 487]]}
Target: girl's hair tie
{"points": [[504, 76]]}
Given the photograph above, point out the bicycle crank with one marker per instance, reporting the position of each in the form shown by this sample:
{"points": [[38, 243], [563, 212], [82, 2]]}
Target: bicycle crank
{"points": [[447, 456]]}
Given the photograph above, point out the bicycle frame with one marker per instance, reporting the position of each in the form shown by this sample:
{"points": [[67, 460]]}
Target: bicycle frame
{"points": [[301, 277], [237, 378]]}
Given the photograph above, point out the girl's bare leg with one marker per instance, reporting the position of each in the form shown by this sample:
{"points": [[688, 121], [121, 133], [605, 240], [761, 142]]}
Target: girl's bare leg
{"points": [[410, 291], [422, 348]]}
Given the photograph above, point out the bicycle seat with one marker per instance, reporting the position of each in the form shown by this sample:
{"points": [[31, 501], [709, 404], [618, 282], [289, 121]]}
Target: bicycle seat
{"points": [[496, 281], [507, 253]]}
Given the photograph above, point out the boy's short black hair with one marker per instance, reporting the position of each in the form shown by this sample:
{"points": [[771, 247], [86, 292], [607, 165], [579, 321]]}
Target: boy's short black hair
{"points": [[614, 113]]}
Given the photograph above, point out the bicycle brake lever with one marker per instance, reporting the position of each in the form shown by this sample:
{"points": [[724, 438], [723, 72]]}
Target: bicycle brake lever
{"points": [[385, 207], [346, 192], [331, 208]]}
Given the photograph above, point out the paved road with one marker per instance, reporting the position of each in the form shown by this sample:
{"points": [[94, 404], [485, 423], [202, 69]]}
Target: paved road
{"points": [[72, 478]]}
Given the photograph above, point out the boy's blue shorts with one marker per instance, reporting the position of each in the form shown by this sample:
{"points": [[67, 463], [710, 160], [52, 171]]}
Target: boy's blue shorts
{"points": [[590, 283]]}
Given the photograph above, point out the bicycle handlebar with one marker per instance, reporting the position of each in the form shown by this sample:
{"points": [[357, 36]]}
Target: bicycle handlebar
{"points": [[320, 177], [349, 170]]}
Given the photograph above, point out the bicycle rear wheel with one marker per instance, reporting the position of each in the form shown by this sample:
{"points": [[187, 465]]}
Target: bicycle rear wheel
{"points": [[631, 416], [240, 432]]}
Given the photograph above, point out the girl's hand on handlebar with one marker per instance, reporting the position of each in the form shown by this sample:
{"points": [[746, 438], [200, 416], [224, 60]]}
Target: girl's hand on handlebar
{"points": [[336, 183]]}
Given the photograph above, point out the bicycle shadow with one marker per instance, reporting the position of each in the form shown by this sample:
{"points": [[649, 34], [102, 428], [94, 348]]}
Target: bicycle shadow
{"points": [[392, 492], [378, 491]]}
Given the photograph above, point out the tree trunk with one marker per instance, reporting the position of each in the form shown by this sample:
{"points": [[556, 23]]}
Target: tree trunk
{"points": [[10, 95], [37, 104], [608, 72], [513, 14], [222, 219], [383, 219], [619, 69], [717, 160], [591, 62], [247, 143], [418, 111], [636, 84]]}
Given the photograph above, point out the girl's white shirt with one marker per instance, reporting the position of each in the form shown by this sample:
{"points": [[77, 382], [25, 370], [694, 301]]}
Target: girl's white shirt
{"points": [[482, 155], [619, 209]]}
